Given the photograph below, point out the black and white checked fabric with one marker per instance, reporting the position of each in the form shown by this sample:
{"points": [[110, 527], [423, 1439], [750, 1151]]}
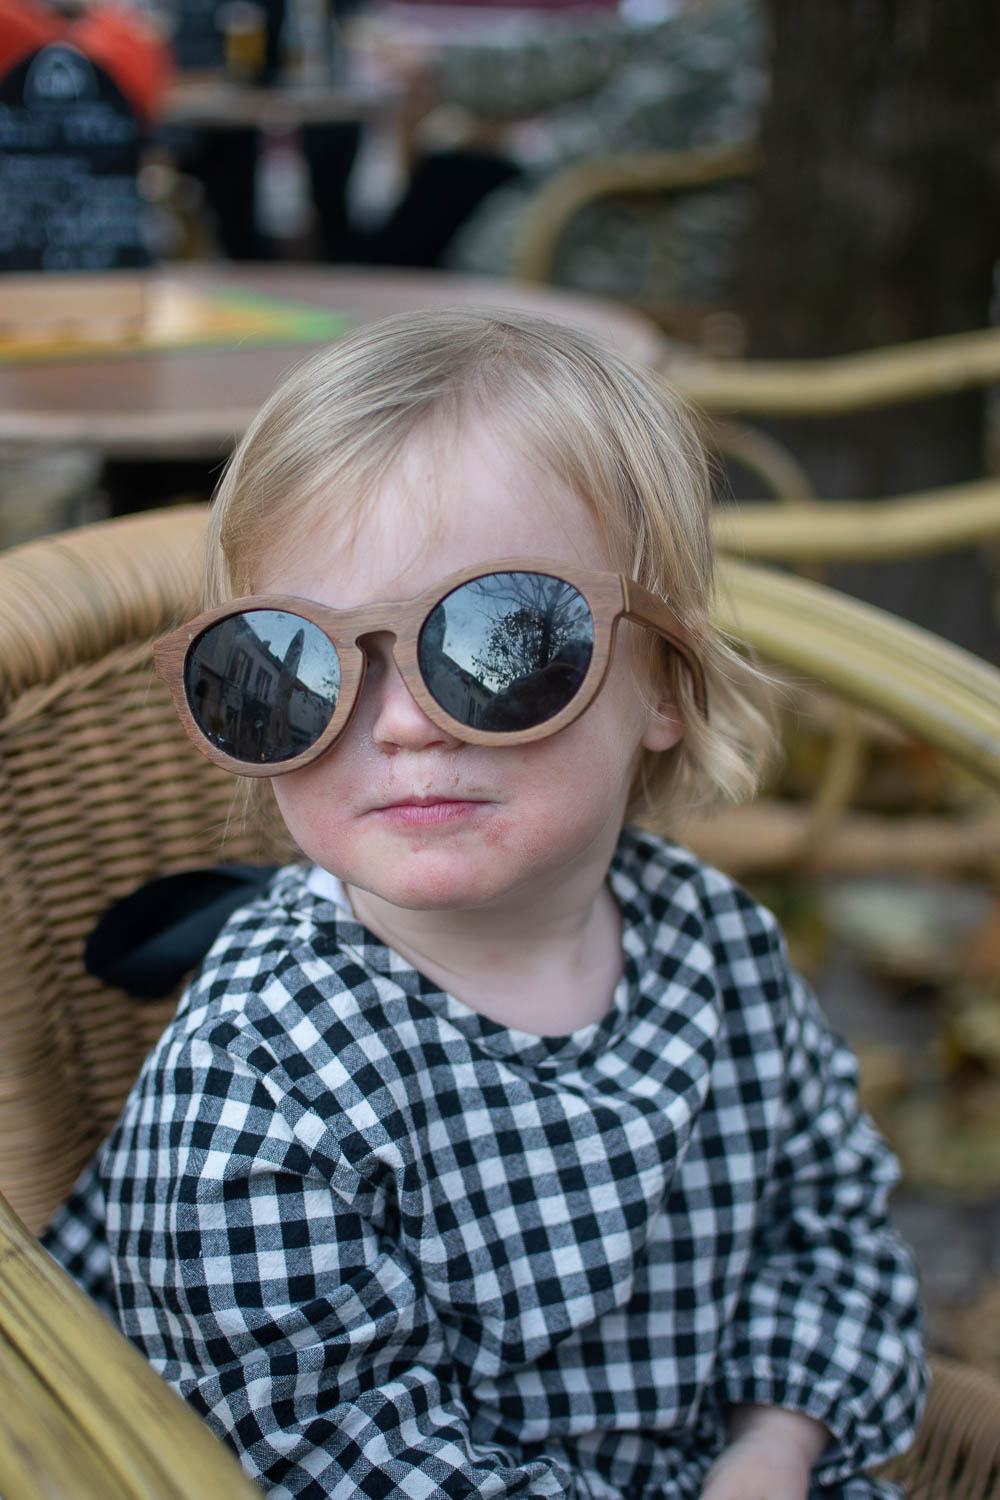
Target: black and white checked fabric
{"points": [[389, 1248]]}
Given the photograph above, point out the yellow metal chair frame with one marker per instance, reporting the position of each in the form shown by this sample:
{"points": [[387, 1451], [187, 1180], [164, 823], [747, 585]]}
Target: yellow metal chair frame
{"points": [[643, 174], [727, 387]]}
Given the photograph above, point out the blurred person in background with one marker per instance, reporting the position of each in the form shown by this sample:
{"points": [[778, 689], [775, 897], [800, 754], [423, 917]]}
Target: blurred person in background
{"points": [[653, 75]]}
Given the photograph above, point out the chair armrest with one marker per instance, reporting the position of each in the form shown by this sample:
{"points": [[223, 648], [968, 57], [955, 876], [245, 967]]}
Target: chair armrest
{"points": [[646, 173], [845, 383], [69, 600], [956, 1455], [82, 1412], [861, 530], [939, 692]]}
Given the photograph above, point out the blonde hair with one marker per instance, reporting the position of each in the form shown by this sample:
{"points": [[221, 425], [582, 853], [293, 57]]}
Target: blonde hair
{"points": [[610, 430]]}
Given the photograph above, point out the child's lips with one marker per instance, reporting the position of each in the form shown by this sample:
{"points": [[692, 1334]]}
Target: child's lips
{"points": [[429, 810]]}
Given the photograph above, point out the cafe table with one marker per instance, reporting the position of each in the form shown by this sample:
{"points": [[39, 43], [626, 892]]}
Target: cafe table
{"points": [[216, 338]]}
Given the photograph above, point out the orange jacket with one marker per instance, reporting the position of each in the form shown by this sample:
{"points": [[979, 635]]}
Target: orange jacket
{"points": [[117, 39]]}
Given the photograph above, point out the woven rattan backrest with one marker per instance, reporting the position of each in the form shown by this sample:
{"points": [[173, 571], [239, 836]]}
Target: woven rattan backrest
{"points": [[99, 791]]}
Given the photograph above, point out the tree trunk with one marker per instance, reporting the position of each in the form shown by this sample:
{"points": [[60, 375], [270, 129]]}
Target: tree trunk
{"points": [[878, 223]]}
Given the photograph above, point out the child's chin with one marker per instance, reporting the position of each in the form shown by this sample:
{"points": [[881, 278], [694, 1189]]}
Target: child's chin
{"points": [[434, 886], [440, 895]]}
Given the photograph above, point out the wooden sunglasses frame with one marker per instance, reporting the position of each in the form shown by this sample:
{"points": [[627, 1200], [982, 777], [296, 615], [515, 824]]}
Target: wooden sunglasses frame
{"points": [[610, 597]]}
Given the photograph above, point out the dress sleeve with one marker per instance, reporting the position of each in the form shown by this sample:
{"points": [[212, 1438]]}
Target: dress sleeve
{"points": [[829, 1320], [278, 1300], [77, 1241]]}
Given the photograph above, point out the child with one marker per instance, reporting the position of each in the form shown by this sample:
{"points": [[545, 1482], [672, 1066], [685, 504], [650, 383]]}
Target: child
{"points": [[495, 1150]]}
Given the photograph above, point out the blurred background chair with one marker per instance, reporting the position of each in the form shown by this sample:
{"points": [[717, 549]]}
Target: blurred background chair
{"points": [[875, 537], [807, 535], [99, 792], [711, 372], [812, 535], [850, 427], [857, 682], [634, 179]]}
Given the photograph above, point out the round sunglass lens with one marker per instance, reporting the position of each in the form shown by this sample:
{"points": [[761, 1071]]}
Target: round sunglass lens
{"points": [[262, 685], [507, 651]]}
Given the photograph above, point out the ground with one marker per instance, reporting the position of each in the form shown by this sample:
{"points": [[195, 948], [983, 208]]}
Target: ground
{"points": [[901, 965]]}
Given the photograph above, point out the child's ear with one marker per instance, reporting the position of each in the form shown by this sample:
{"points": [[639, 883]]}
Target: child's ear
{"points": [[664, 725]]}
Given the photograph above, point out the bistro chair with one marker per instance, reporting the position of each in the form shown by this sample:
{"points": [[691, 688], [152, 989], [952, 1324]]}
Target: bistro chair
{"points": [[853, 679], [629, 177], [99, 792], [719, 382], [703, 356], [83, 1416]]}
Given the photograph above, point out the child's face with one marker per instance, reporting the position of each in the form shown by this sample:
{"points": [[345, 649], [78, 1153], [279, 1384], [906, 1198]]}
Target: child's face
{"points": [[400, 808]]}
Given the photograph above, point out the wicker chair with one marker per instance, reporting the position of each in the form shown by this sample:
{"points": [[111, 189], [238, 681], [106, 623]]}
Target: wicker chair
{"points": [[95, 796], [627, 176], [99, 791], [786, 388], [727, 387], [876, 675]]}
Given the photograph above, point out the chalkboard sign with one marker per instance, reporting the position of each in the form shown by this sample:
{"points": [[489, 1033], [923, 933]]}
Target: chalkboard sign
{"points": [[69, 162]]}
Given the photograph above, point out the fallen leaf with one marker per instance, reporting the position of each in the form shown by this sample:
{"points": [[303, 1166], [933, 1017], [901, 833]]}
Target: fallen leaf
{"points": [[974, 1331], [947, 1146]]}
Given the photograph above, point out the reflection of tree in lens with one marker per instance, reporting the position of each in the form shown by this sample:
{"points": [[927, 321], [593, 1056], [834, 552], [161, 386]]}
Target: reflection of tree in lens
{"points": [[507, 650], [535, 618], [538, 648]]}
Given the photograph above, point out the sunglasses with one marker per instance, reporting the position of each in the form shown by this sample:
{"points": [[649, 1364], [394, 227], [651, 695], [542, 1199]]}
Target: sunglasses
{"points": [[500, 656]]}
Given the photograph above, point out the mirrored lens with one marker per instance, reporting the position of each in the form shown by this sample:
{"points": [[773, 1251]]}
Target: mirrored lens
{"points": [[262, 685], [507, 651]]}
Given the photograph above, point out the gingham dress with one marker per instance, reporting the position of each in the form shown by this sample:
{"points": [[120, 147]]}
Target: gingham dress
{"points": [[390, 1248]]}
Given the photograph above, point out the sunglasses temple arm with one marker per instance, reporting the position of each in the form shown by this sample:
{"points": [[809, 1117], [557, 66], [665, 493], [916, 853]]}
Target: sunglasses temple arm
{"points": [[645, 609]]}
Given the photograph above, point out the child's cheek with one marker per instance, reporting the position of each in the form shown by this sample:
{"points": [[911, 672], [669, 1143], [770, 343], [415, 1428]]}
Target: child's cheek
{"points": [[498, 834]]}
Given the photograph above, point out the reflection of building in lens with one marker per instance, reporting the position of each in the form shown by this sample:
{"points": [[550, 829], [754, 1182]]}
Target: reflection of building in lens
{"points": [[461, 693], [249, 700]]}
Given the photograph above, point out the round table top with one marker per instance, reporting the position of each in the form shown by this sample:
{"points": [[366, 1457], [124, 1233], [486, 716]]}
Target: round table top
{"points": [[195, 400]]}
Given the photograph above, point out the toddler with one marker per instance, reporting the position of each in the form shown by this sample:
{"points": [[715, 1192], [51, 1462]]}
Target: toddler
{"points": [[495, 1150]]}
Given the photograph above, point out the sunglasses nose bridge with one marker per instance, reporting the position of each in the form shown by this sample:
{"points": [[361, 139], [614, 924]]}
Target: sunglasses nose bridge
{"points": [[388, 628], [383, 648], [377, 643]]}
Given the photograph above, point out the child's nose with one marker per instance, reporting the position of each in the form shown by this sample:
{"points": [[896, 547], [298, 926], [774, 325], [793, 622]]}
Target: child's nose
{"points": [[397, 720]]}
